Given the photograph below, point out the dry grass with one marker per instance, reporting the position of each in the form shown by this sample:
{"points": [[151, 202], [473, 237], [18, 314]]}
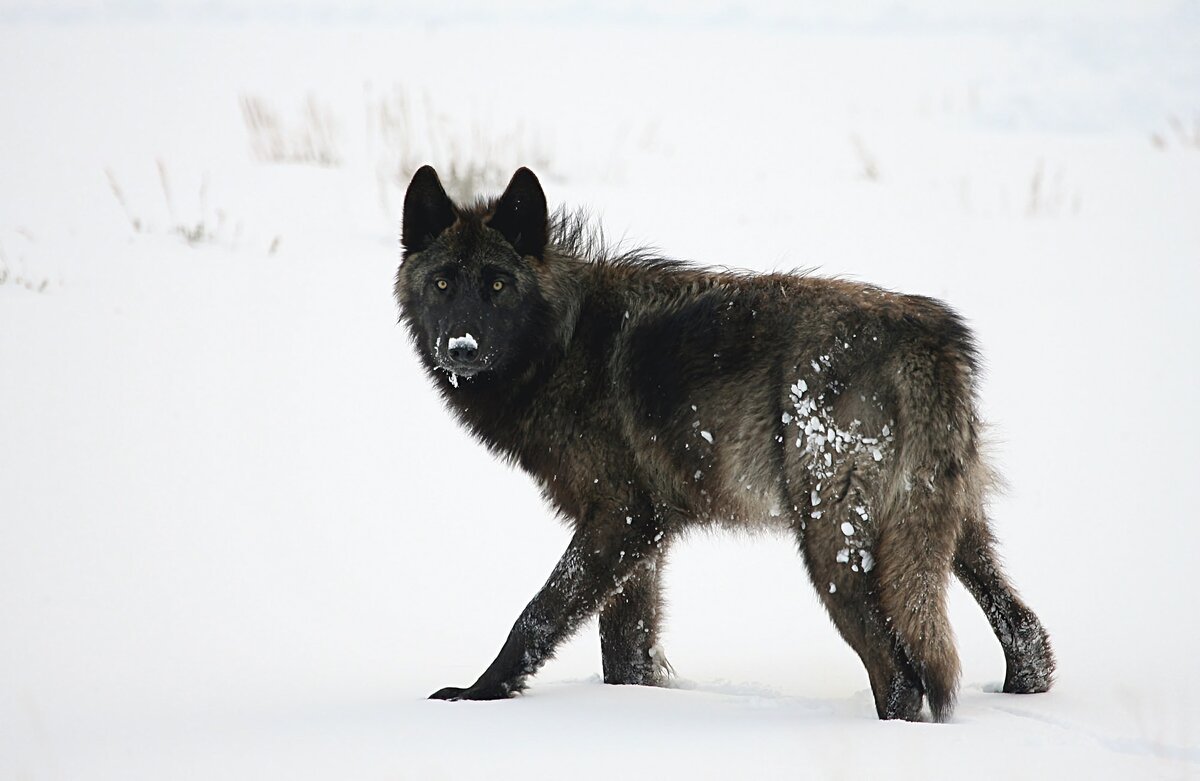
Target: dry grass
{"points": [[1179, 134], [310, 138], [403, 130], [1051, 196], [13, 273], [473, 155], [867, 162], [202, 224]]}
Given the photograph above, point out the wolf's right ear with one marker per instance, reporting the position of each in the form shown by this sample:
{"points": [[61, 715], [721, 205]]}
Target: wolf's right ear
{"points": [[427, 210]]}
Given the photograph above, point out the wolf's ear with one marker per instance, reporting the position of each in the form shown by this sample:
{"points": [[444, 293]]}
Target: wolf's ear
{"points": [[520, 214], [427, 210]]}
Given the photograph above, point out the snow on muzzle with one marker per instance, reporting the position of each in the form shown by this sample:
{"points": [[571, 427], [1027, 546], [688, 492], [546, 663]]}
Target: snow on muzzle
{"points": [[462, 355]]}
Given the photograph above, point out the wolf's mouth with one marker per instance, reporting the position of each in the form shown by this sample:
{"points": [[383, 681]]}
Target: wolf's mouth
{"points": [[458, 370]]}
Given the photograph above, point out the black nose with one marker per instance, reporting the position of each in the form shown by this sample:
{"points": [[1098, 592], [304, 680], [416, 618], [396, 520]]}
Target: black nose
{"points": [[463, 354]]}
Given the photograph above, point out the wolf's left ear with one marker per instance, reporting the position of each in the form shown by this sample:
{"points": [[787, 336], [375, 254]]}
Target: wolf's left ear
{"points": [[520, 214], [427, 210]]}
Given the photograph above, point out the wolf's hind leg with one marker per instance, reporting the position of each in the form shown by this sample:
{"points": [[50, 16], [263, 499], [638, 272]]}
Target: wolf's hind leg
{"points": [[1027, 652], [629, 624], [851, 598]]}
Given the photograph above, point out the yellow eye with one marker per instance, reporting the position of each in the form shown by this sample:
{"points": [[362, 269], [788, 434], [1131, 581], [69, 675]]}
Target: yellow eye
{"points": [[442, 284], [497, 285]]}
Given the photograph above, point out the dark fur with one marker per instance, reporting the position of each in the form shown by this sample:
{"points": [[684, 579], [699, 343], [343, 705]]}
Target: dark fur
{"points": [[647, 396]]}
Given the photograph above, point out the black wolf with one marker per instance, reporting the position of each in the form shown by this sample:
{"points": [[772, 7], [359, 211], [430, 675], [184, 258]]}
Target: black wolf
{"points": [[647, 396]]}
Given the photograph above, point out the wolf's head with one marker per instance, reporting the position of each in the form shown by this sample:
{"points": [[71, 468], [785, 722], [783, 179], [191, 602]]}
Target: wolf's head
{"points": [[468, 286]]}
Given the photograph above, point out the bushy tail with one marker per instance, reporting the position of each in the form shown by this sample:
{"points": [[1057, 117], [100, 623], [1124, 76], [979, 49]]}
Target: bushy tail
{"points": [[937, 482]]}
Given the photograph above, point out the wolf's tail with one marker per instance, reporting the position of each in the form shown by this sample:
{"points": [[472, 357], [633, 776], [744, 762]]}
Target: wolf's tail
{"points": [[938, 481]]}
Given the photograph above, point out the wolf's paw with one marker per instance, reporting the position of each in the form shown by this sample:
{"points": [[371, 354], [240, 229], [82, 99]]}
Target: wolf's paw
{"points": [[1032, 678], [1030, 661], [902, 700], [475, 692]]}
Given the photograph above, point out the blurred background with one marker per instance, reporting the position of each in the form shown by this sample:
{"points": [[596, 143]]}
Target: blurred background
{"points": [[239, 536]]}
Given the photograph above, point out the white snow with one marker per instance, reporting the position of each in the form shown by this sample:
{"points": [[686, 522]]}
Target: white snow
{"points": [[819, 435], [466, 341], [234, 538], [707, 436], [847, 529]]}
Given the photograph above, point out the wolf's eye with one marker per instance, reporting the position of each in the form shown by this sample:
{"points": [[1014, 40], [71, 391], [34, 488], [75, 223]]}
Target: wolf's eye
{"points": [[442, 284], [497, 285]]}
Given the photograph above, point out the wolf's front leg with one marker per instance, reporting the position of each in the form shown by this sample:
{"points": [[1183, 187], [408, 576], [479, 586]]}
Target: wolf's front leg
{"points": [[595, 566]]}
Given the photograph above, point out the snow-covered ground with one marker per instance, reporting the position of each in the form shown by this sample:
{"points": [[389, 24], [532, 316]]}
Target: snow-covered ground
{"points": [[240, 539]]}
